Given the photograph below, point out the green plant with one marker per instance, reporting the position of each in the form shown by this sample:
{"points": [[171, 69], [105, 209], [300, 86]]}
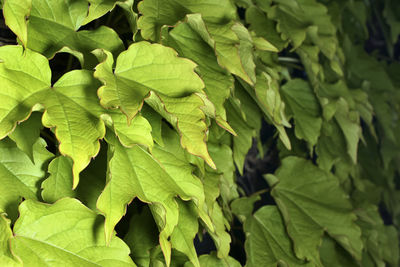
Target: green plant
{"points": [[107, 102]]}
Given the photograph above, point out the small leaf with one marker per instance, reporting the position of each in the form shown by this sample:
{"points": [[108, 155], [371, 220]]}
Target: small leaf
{"points": [[59, 183], [72, 107], [15, 14], [7, 258], [27, 133], [138, 132], [135, 173], [243, 207], [305, 109], [211, 260]]}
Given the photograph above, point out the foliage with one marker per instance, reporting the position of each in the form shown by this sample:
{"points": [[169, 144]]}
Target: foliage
{"points": [[148, 110]]}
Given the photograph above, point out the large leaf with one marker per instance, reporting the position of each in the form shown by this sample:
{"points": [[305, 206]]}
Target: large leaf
{"points": [[140, 69], [23, 74], [65, 233], [72, 107], [71, 104], [312, 202], [135, 173], [53, 25], [19, 176], [267, 242]]}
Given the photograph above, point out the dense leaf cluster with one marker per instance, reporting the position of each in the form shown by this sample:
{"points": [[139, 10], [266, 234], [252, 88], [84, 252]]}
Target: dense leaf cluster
{"points": [[105, 102]]}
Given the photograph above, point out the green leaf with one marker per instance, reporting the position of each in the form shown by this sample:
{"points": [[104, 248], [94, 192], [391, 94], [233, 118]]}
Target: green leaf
{"points": [[267, 243], [233, 47], [153, 179], [264, 27], [72, 107], [243, 207], [98, 8], [19, 176], [349, 122], [331, 147], [156, 13], [27, 133], [15, 14], [211, 260], [186, 38], [138, 132], [185, 231], [140, 69], [267, 97], [221, 237], [305, 109], [59, 183], [226, 183], [381, 241], [23, 74], [187, 117], [312, 202], [53, 26], [7, 258], [41, 230], [301, 19], [332, 254], [244, 139], [142, 237]]}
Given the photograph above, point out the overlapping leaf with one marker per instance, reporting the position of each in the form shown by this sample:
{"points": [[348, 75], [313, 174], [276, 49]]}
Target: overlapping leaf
{"points": [[231, 41], [305, 109], [53, 25], [65, 233], [141, 68], [267, 242], [187, 39], [7, 258], [157, 13], [19, 176], [71, 104], [312, 202], [157, 180]]}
